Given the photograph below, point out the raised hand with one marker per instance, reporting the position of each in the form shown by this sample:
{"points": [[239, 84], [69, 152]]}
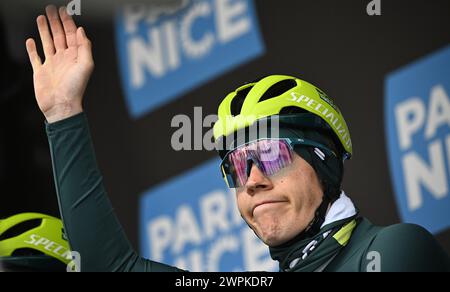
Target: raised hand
{"points": [[60, 82]]}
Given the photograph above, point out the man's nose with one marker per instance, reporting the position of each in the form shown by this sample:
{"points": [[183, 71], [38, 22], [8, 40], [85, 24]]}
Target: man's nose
{"points": [[257, 181]]}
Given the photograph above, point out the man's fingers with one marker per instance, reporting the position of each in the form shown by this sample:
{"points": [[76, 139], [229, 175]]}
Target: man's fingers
{"points": [[46, 38], [35, 60], [59, 37], [70, 28]]}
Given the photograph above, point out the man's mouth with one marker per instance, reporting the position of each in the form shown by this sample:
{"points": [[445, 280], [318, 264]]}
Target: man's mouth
{"points": [[265, 204]]}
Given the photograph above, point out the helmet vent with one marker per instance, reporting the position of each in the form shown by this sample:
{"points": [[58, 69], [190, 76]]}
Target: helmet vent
{"points": [[292, 110], [238, 101], [20, 228], [23, 252], [278, 89]]}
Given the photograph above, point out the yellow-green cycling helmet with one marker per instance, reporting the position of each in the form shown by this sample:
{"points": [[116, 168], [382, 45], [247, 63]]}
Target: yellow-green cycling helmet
{"points": [[272, 96], [32, 237]]}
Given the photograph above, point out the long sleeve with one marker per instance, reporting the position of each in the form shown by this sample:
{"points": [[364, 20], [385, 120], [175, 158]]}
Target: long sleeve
{"points": [[89, 220]]}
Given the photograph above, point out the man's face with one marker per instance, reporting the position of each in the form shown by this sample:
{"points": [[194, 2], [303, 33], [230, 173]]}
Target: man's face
{"points": [[281, 206]]}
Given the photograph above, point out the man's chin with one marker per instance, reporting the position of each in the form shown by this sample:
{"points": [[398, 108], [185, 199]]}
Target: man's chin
{"points": [[271, 237], [276, 236], [274, 242]]}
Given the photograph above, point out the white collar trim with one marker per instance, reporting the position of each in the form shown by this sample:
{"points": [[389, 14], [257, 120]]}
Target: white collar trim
{"points": [[342, 208]]}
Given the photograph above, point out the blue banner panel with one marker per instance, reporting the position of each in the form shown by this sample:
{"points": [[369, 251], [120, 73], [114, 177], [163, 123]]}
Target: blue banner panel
{"points": [[417, 121]]}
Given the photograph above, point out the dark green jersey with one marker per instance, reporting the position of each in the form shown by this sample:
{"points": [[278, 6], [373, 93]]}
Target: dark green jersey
{"points": [[400, 247], [94, 231]]}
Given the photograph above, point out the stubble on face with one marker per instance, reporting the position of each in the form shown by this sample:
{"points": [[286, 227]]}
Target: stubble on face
{"points": [[299, 191]]}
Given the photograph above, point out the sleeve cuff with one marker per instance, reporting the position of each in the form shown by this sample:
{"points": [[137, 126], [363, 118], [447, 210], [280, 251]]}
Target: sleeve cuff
{"points": [[76, 121]]}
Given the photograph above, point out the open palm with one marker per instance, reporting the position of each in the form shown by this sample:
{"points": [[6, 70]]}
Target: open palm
{"points": [[60, 82]]}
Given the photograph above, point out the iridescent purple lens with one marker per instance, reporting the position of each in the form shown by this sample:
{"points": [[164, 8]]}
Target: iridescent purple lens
{"points": [[270, 156]]}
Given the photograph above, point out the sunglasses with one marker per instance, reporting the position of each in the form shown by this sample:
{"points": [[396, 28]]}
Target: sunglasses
{"points": [[269, 155]]}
